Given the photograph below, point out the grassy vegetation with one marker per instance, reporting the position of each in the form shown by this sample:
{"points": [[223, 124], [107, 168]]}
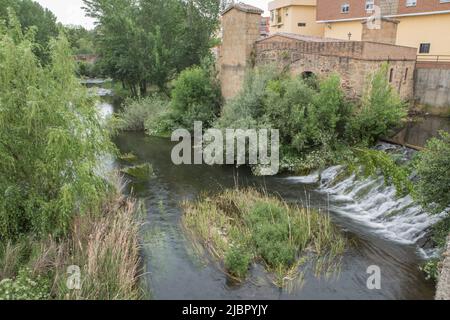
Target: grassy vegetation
{"points": [[141, 172], [195, 96], [128, 157], [318, 124], [138, 112], [104, 244], [243, 226]]}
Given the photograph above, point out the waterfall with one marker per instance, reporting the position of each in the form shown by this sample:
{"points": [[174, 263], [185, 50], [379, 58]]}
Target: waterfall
{"points": [[370, 202]]}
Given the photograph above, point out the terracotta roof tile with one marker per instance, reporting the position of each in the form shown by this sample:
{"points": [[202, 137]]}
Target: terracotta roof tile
{"points": [[243, 7], [301, 37]]}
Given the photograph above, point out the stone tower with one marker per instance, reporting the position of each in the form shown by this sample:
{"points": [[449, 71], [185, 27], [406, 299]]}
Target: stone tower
{"points": [[240, 30], [386, 33]]}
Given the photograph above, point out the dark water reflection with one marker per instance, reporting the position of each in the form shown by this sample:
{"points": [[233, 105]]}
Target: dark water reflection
{"points": [[420, 129], [176, 272]]}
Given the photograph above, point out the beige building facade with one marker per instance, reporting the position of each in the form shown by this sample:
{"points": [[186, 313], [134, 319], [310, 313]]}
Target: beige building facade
{"points": [[294, 16], [422, 24], [354, 61]]}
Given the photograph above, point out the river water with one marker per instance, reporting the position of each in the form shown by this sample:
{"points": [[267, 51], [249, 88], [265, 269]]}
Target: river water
{"points": [[382, 231]]}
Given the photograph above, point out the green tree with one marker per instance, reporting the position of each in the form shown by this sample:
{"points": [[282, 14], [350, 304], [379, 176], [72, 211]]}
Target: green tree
{"points": [[433, 167], [32, 15], [50, 138], [196, 96], [81, 40], [147, 42], [381, 110]]}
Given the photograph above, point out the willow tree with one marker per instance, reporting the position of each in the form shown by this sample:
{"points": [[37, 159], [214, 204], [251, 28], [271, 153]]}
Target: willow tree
{"points": [[50, 138]]}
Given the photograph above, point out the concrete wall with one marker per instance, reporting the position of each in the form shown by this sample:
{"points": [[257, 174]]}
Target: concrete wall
{"points": [[432, 90]]}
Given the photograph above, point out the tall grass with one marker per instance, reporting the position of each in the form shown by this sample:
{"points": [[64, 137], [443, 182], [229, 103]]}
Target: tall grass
{"points": [[104, 243], [243, 226]]}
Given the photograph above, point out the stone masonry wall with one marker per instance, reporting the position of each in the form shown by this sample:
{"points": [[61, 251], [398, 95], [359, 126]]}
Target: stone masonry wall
{"points": [[353, 61], [242, 31], [386, 34]]}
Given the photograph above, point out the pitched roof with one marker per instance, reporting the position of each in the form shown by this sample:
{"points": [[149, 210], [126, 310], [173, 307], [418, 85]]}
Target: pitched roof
{"points": [[243, 7], [301, 37]]}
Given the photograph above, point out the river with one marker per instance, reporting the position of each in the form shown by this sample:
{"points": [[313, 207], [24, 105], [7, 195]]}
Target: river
{"points": [[382, 231]]}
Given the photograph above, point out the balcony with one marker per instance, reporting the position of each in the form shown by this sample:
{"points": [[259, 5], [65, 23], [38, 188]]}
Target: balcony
{"points": [[433, 61]]}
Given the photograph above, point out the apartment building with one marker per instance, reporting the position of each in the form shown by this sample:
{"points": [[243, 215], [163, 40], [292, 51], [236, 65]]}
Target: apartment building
{"points": [[264, 27], [295, 16], [422, 24]]}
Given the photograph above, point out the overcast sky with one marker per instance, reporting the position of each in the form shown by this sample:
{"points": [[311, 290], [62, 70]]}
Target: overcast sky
{"points": [[70, 12]]}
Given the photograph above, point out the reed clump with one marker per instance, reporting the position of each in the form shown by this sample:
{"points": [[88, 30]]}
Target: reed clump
{"points": [[104, 244], [240, 227]]}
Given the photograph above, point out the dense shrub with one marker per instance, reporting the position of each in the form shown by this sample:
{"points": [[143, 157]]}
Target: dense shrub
{"points": [[317, 123], [88, 70], [25, 286], [245, 110], [441, 231], [433, 167], [270, 227], [237, 261], [381, 110], [196, 96], [144, 113], [307, 119]]}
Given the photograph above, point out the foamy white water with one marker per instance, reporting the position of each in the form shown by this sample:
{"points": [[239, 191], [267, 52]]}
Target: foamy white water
{"points": [[373, 204]]}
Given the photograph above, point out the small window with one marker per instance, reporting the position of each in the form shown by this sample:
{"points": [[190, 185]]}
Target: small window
{"points": [[301, 24], [272, 15], [370, 5], [391, 75], [345, 8], [411, 3], [406, 74], [424, 48]]}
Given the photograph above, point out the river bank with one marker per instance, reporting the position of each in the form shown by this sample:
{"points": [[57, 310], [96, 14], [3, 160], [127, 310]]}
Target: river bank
{"points": [[386, 231], [443, 286]]}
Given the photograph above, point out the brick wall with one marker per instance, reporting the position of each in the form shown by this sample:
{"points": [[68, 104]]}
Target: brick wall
{"points": [[389, 7], [423, 6], [331, 9]]}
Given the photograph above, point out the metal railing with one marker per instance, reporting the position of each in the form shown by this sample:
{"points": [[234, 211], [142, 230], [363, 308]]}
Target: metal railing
{"points": [[433, 58]]}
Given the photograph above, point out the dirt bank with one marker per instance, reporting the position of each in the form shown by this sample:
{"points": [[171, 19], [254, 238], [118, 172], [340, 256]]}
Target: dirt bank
{"points": [[443, 287]]}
